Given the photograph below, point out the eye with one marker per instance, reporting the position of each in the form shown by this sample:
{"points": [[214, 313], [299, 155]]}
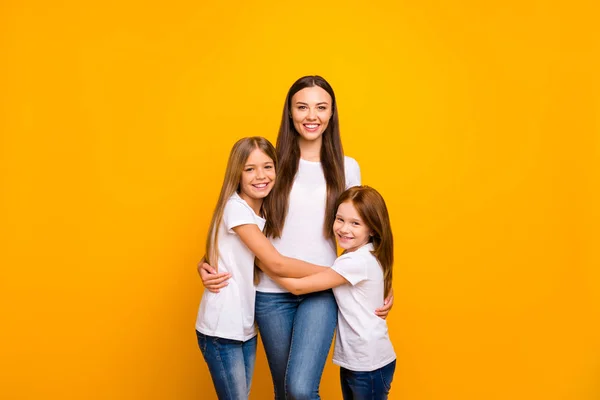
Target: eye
{"points": [[356, 224], [269, 167], [322, 108], [302, 107], [339, 219], [249, 170]]}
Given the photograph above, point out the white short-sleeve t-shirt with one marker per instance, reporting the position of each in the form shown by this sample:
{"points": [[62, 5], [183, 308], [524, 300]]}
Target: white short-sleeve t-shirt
{"points": [[302, 236], [362, 342], [229, 314]]}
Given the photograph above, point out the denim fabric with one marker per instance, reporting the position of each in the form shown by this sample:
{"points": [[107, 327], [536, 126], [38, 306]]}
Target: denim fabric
{"points": [[371, 385], [231, 365], [297, 332]]}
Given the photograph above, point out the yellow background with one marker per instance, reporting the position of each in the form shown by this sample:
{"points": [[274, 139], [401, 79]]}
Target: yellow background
{"points": [[478, 121]]}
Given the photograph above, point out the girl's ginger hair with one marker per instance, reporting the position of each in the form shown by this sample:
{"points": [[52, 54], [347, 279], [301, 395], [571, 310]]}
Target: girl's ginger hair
{"points": [[231, 184], [372, 210]]}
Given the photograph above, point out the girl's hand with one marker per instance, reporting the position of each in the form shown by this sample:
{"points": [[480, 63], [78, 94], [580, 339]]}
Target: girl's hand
{"points": [[382, 312], [210, 279]]}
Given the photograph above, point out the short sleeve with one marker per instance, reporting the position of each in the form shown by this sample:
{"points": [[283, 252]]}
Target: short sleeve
{"points": [[353, 269], [237, 213], [352, 171]]}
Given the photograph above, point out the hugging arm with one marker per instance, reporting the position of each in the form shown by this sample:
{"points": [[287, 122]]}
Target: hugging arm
{"points": [[212, 280], [388, 303], [326, 279], [284, 270], [270, 260]]}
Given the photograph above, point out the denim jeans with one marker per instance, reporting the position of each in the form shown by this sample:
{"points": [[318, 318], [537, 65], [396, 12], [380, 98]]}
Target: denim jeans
{"points": [[231, 365], [296, 332], [370, 385]]}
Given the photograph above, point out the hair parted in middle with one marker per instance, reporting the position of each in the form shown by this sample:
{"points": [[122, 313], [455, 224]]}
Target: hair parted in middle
{"points": [[371, 207], [231, 184], [288, 153]]}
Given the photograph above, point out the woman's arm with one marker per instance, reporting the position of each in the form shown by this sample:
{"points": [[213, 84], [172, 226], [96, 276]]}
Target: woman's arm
{"points": [[324, 280], [388, 303], [210, 279], [272, 261]]}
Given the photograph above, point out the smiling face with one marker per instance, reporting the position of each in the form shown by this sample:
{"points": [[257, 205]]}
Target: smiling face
{"points": [[258, 176], [349, 229], [311, 110]]}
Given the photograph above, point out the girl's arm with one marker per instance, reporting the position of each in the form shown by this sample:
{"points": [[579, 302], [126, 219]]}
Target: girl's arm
{"points": [[326, 279], [271, 260]]}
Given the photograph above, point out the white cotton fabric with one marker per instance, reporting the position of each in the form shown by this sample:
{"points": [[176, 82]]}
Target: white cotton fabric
{"points": [[302, 237], [362, 342], [229, 314]]}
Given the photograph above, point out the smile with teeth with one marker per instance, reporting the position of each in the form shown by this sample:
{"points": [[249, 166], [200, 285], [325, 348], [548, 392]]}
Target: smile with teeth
{"points": [[311, 127], [260, 185]]}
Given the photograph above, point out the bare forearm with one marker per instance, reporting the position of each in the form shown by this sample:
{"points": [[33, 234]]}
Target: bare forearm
{"points": [[286, 283], [287, 267], [326, 279], [294, 268], [295, 286], [269, 259]]}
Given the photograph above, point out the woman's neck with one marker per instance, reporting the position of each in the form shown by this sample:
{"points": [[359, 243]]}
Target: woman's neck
{"points": [[310, 150]]}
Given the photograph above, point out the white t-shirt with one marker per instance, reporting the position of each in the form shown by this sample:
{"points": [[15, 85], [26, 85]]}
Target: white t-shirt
{"points": [[229, 314], [362, 342], [302, 235]]}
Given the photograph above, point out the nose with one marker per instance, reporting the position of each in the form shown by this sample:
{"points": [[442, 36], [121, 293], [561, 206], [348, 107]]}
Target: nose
{"points": [[260, 173], [312, 114]]}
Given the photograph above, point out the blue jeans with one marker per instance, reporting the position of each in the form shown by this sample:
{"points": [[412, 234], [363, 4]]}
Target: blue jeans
{"points": [[231, 365], [371, 385], [297, 332]]}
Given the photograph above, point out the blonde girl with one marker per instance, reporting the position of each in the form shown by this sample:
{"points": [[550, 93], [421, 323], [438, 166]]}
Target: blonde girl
{"points": [[225, 324]]}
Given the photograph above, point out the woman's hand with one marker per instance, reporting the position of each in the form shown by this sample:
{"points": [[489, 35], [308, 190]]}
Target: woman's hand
{"points": [[210, 279], [388, 303]]}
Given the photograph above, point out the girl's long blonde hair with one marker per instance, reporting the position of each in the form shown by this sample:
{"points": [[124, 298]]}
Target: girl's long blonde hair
{"points": [[231, 183], [373, 211]]}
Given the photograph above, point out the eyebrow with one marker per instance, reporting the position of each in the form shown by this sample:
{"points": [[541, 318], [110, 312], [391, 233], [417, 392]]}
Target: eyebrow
{"points": [[323, 102], [254, 165], [351, 219]]}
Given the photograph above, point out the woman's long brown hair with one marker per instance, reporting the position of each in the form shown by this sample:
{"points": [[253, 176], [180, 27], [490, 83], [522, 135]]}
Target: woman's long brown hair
{"points": [[288, 154], [373, 211], [231, 183]]}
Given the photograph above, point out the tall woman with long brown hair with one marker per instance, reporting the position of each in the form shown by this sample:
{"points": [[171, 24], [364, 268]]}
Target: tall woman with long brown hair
{"points": [[297, 330]]}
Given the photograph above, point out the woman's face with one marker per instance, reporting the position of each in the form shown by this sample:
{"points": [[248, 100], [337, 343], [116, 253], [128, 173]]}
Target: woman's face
{"points": [[311, 111]]}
